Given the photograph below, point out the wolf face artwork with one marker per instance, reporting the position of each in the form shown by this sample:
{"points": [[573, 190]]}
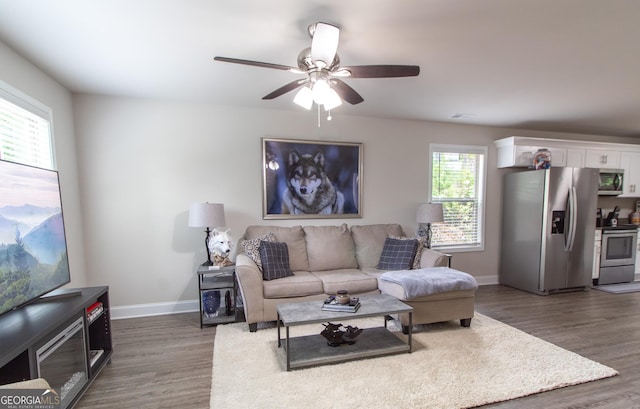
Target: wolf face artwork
{"points": [[220, 247], [309, 189]]}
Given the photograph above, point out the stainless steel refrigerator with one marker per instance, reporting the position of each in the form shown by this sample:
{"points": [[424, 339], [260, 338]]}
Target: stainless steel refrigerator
{"points": [[548, 228]]}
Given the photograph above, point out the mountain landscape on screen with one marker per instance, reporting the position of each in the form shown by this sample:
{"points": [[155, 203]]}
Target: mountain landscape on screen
{"points": [[33, 251]]}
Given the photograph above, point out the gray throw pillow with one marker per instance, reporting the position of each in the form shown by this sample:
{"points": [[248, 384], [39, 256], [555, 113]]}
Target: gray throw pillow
{"points": [[422, 244], [398, 254], [275, 260]]}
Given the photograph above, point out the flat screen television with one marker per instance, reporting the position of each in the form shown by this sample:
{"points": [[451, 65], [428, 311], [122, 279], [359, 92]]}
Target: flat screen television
{"points": [[33, 248]]}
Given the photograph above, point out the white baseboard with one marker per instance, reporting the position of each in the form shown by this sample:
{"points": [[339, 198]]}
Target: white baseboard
{"points": [[149, 310], [487, 280]]}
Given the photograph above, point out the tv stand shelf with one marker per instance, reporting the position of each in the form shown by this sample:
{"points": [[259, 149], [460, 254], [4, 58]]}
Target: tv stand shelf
{"points": [[26, 329]]}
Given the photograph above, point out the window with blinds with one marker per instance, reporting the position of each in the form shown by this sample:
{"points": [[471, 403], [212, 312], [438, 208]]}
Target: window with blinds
{"points": [[25, 130], [458, 176]]}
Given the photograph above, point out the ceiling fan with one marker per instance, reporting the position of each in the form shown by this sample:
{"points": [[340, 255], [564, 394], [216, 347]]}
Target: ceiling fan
{"points": [[323, 83]]}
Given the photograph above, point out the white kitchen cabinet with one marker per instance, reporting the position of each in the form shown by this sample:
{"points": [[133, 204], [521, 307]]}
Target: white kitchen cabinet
{"points": [[597, 158], [518, 151], [510, 154], [575, 157], [596, 255], [630, 162]]}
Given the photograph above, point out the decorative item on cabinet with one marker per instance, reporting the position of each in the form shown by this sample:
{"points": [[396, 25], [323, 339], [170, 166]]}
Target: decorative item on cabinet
{"points": [[542, 159]]}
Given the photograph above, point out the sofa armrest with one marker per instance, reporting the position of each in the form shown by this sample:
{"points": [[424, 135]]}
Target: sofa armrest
{"points": [[433, 258], [249, 279]]}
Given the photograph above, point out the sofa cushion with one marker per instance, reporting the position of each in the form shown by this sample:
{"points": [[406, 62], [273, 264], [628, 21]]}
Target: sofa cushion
{"points": [[330, 248], [252, 247], [275, 260], [300, 284], [369, 240], [397, 254], [352, 280], [293, 236]]}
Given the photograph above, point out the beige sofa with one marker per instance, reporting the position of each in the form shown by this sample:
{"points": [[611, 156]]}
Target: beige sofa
{"points": [[325, 259]]}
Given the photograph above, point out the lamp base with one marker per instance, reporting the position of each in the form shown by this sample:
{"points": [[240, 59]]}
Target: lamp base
{"points": [[207, 263], [422, 230], [425, 232]]}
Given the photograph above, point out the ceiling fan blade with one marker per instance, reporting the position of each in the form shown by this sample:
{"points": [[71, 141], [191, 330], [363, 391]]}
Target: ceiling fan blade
{"points": [[383, 71], [346, 92], [259, 64], [324, 44], [285, 88]]}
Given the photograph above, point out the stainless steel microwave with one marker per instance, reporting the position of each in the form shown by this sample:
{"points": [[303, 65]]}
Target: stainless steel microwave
{"points": [[611, 182]]}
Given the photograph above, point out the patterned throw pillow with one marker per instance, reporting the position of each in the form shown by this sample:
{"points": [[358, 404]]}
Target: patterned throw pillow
{"points": [[398, 254], [275, 260], [422, 244], [252, 247]]}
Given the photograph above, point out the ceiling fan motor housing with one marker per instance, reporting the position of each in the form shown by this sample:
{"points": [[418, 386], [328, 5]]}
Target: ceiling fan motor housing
{"points": [[306, 63]]}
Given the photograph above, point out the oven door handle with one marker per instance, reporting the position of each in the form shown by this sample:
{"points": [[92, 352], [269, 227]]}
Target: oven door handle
{"points": [[572, 209]]}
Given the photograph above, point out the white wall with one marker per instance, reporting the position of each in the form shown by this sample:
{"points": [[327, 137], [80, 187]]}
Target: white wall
{"points": [[24, 76], [142, 162]]}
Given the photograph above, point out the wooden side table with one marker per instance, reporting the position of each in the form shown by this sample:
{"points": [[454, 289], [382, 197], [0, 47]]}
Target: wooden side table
{"points": [[217, 291]]}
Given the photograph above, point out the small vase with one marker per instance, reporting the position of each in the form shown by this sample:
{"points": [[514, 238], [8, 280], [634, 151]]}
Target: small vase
{"points": [[342, 297]]}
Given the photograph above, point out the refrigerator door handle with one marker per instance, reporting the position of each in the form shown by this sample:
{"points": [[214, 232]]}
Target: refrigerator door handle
{"points": [[573, 208]]}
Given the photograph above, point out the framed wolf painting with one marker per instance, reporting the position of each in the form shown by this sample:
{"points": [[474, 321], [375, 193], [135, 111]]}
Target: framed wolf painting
{"points": [[311, 179]]}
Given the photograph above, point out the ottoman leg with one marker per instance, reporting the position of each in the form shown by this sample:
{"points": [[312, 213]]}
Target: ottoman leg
{"points": [[465, 322]]}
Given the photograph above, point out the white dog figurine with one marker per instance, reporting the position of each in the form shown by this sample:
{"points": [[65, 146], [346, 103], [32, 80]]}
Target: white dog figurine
{"points": [[220, 244]]}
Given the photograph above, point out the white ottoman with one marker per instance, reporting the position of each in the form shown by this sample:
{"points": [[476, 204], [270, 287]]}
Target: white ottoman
{"points": [[436, 294]]}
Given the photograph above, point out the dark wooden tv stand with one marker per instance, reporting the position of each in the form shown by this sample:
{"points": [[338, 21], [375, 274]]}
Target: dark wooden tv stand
{"points": [[30, 327]]}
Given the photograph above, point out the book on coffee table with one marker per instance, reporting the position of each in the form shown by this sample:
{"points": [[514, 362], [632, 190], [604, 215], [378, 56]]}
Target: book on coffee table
{"points": [[333, 306]]}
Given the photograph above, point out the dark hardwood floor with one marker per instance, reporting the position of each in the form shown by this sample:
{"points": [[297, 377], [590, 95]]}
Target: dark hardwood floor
{"points": [[165, 362]]}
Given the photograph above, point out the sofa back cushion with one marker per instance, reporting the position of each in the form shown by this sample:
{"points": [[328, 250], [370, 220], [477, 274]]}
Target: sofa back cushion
{"points": [[293, 236], [330, 248], [369, 241]]}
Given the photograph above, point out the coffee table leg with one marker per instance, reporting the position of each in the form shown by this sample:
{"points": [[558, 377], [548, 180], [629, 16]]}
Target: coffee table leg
{"points": [[410, 329], [278, 322], [287, 347]]}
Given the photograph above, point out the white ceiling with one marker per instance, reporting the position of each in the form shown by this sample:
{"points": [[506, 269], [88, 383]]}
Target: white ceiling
{"points": [[559, 65]]}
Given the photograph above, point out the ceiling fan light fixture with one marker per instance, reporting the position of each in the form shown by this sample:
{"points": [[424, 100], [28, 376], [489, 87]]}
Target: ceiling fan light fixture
{"points": [[304, 98], [332, 100], [321, 90]]}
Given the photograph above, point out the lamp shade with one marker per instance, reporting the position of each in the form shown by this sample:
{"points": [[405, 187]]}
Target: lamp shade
{"points": [[206, 215], [430, 213]]}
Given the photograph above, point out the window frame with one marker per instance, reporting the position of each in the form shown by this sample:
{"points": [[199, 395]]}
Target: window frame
{"points": [[482, 192], [35, 107]]}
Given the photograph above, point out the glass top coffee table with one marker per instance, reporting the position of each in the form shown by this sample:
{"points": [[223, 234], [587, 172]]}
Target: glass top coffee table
{"points": [[313, 350]]}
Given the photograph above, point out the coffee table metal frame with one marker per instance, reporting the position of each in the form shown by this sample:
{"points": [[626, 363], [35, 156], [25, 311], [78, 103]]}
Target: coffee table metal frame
{"points": [[312, 350]]}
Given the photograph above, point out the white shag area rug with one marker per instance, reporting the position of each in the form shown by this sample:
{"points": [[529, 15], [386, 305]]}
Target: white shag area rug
{"points": [[450, 367]]}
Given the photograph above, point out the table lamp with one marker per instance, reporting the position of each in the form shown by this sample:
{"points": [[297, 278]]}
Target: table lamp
{"points": [[207, 215], [428, 213]]}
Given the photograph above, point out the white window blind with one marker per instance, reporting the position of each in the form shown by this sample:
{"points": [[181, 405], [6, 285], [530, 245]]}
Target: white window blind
{"points": [[458, 182], [25, 130]]}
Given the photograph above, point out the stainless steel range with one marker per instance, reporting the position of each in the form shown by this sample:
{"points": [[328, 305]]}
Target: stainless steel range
{"points": [[618, 254]]}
